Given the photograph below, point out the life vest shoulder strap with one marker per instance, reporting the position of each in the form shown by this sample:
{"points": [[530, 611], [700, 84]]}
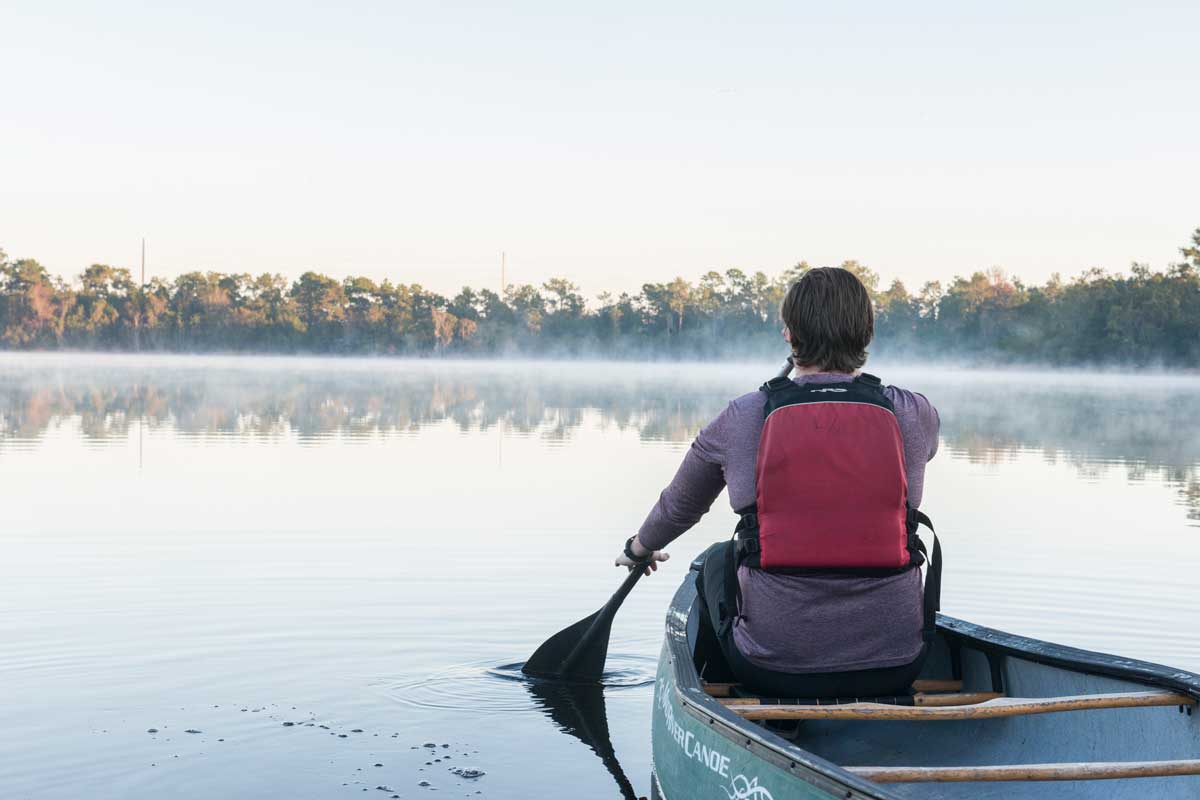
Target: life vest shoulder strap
{"points": [[776, 384]]}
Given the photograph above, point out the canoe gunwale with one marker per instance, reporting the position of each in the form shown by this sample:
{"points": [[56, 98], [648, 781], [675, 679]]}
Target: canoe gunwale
{"points": [[831, 777], [1074, 659]]}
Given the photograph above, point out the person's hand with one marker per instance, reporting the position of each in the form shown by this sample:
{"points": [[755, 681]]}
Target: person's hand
{"points": [[645, 559]]}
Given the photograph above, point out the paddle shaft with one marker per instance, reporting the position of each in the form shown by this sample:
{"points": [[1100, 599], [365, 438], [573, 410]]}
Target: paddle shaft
{"points": [[603, 619]]}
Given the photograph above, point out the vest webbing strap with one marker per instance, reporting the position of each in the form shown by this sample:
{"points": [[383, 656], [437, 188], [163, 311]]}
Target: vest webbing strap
{"points": [[745, 549], [932, 601], [749, 547]]}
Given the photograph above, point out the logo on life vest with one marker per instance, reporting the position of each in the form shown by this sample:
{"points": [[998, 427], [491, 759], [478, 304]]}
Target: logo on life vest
{"points": [[814, 391]]}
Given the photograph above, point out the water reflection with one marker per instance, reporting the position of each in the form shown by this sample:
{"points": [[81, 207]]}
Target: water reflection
{"points": [[1146, 429], [317, 405], [579, 710], [271, 555]]}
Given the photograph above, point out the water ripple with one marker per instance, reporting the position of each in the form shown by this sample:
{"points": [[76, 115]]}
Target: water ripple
{"points": [[486, 688]]}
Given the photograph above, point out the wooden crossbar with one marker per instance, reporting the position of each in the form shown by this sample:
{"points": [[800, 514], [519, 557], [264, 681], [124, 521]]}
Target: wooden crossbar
{"points": [[919, 699], [998, 707], [928, 686], [1083, 771]]}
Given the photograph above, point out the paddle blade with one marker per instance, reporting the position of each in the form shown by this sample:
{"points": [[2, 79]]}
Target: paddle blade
{"points": [[578, 652], [554, 657]]}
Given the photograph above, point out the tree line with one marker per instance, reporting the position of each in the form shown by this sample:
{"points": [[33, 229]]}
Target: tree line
{"points": [[1147, 316]]}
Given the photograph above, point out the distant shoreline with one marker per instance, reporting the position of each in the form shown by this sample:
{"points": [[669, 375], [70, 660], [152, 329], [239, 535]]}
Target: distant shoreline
{"points": [[754, 368], [1149, 318]]}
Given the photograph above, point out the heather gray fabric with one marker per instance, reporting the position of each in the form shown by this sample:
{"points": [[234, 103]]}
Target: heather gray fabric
{"points": [[794, 623]]}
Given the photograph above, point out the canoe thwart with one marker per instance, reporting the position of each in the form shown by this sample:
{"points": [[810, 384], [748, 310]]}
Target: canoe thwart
{"points": [[1079, 771], [990, 709], [919, 700], [926, 686]]}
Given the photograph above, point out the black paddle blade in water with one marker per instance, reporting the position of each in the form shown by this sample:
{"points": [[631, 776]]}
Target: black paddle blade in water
{"points": [[578, 652]]}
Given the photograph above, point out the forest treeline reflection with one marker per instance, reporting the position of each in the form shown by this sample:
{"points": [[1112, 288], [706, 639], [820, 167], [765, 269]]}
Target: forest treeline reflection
{"points": [[1145, 429]]}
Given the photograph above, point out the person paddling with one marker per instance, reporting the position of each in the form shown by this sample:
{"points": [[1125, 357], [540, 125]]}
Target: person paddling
{"points": [[818, 594]]}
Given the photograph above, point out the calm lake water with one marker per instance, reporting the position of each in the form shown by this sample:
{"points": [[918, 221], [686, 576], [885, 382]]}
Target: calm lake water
{"points": [[215, 547]]}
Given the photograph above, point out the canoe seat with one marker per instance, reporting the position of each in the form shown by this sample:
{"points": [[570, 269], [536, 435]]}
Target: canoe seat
{"points": [[924, 686], [974, 705], [922, 693], [1079, 771]]}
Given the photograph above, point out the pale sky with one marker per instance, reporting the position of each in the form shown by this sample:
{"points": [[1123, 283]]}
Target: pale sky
{"points": [[612, 143]]}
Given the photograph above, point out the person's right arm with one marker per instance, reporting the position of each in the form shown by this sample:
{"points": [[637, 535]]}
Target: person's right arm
{"points": [[689, 496], [697, 483]]}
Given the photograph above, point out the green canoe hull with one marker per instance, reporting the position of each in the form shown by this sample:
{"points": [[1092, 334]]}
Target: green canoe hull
{"points": [[693, 760]]}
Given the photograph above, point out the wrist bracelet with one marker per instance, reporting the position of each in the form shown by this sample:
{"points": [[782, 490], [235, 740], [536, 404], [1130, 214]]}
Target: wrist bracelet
{"points": [[636, 558]]}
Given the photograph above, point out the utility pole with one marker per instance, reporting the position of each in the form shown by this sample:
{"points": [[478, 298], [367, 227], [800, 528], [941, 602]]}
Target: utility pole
{"points": [[137, 329], [137, 336], [502, 426]]}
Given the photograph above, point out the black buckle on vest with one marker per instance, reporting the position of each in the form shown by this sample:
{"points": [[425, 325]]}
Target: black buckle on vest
{"points": [[746, 552], [932, 600], [916, 548], [746, 546]]}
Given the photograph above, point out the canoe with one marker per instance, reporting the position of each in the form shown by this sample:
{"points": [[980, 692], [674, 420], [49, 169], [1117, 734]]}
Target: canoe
{"points": [[993, 715]]}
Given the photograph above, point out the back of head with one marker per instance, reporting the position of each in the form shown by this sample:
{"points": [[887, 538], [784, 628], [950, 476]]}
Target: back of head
{"points": [[829, 320]]}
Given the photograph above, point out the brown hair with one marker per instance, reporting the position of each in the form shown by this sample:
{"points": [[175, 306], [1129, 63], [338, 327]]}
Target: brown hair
{"points": [[829, 317]]}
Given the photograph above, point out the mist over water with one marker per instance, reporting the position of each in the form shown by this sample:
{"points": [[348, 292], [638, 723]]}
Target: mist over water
{"points": [[361, 544]]}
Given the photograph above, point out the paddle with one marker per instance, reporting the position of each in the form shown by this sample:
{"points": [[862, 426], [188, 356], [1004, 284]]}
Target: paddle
{"points": [[578, 652]]}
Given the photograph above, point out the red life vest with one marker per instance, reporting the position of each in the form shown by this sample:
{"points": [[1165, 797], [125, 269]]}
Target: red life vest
{"points": [[832, 490]]}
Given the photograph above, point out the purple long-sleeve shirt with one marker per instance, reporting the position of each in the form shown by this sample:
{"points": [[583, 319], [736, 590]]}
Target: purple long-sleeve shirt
{"points": [[802, 623]]}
